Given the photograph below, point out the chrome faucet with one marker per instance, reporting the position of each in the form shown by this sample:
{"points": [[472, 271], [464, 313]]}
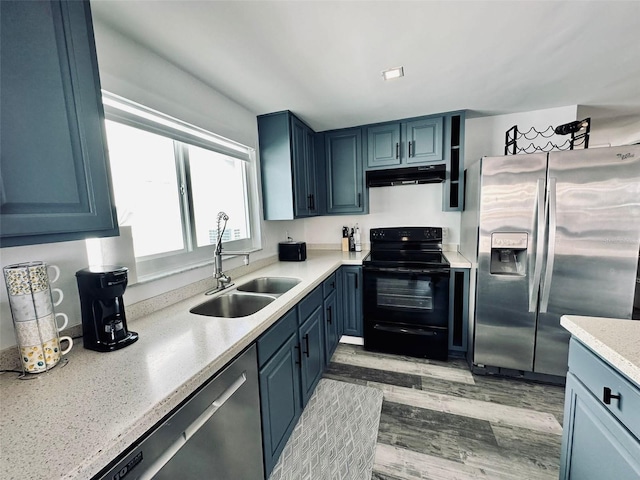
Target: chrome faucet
{"points": [[222, 279]]}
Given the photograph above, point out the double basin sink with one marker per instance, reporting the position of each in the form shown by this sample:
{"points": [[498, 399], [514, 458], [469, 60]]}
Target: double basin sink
{"points": [[246, 299]]}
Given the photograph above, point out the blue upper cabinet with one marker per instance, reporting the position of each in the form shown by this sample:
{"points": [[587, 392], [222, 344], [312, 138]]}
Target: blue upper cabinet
{"points": [[423, 140], [287, 164], [345, 183], [304, 171], [383, 143], [55, 181], [405, 143]]}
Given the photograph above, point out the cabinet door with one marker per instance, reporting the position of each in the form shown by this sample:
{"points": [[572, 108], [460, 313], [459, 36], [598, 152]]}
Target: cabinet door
{"points": [[423, 141], [309, 146], [55, 179], [383, 145], [344, 172], [311, 338], [280, 399], [330, 326], [594, 444], [352, 279], [301, 194], [340, 303]]}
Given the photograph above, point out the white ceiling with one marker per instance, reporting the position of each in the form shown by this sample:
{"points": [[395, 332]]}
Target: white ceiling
{"points": [[323, 59]]}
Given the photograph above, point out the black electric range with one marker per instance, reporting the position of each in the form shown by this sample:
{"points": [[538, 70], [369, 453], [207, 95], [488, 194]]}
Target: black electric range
{"points": [[406, 292]]}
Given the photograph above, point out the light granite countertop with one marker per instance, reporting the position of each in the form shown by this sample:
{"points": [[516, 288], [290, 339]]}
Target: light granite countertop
{"points": [[616, 340], [456, 260], [73, 420]]}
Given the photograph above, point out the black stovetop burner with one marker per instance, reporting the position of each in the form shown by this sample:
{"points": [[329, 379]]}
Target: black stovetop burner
{"points": [[406, 247]]}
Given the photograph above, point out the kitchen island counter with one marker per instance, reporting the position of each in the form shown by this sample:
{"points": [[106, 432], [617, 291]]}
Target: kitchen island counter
{"points": [[615, 340], [74, 420]]}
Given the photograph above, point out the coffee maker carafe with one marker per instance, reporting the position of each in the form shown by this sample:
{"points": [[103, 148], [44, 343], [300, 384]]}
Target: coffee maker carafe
{"points": [[104, 324]]}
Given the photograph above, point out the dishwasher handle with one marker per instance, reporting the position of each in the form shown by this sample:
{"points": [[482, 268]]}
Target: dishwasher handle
{"points": [[193, 428]]}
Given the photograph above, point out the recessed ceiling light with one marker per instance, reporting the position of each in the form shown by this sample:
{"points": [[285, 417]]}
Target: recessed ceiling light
{"points": [[396, 72]]}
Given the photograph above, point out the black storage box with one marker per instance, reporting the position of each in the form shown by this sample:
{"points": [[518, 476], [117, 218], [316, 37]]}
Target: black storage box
{"points": [[292, 251]]}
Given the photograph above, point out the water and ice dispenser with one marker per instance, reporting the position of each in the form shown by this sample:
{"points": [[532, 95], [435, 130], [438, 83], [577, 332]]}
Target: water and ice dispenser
{"points": [[509, 253]]}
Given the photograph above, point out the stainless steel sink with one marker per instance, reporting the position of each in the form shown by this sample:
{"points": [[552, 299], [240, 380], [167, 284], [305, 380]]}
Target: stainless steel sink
{"points": [[272, 285], [233, 305]]}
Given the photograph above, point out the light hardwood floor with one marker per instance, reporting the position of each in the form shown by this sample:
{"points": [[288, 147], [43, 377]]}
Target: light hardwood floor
{"points": [[441, 422]]}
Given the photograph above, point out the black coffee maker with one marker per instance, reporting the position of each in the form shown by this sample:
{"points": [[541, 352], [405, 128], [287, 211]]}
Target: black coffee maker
{"points": [[104, 324]]}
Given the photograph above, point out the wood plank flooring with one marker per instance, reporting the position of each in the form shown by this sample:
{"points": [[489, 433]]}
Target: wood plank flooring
{"points": [[440, 422]]}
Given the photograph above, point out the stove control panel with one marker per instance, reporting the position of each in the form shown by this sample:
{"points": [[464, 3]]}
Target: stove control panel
{"points": [[406, 234]]}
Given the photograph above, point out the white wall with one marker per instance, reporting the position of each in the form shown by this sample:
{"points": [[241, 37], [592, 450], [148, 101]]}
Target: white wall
{"points": [[406, 205], [610, 127]]}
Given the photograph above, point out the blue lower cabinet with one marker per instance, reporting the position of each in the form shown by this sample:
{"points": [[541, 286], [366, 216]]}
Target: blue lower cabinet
{"points": [[352, 307], [340, 303], [601, 426], [291, 358], [311, 338], [330, 325], [596, 446], [279, 400]]}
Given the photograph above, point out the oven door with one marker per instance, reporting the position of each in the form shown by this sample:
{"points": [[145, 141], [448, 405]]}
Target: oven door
{"points": [[407, 296], [406, 311]]}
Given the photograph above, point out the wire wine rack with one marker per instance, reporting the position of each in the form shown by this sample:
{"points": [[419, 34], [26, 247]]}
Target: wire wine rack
{"points": [[579, 131]]}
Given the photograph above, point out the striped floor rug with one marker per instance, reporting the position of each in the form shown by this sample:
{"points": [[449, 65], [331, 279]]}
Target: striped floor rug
{"points": [[335, 438]]}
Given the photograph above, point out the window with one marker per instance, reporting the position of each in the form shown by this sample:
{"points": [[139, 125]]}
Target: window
{"points": [[170, 180]]}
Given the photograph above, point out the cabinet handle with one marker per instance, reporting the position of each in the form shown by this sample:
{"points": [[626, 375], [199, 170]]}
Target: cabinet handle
{"points": [[359, 200], [306, 340], [410, 142], [397, 150], [333, 284], [607, 396], [329, 315], [313, 202], [309, 201], [299, 355]]}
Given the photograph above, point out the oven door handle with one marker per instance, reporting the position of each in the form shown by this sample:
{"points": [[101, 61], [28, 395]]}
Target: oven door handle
{"points": [[430, 271], [413, 331]]}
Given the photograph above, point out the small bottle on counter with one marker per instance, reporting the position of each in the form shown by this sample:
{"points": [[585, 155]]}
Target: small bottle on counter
{"points": [[345, 239], [352, 243], [356, 239]]}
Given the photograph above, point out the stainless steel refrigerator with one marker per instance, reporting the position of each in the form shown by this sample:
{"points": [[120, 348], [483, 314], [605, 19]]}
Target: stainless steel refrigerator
{"points": [[550, 234]]}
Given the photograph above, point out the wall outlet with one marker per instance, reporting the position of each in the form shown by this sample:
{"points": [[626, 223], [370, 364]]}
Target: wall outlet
{"points": [[445, 233]]}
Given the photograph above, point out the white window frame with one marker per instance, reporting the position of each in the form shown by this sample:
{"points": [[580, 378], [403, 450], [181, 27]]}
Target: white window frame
{"points": [[121, 110]]}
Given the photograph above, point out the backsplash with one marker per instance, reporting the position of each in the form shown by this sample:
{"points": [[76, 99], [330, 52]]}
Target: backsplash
{"points": [[406, 205]]}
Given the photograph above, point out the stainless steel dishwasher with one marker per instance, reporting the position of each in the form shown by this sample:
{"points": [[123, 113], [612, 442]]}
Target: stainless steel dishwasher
{"points": [[216, 434]]}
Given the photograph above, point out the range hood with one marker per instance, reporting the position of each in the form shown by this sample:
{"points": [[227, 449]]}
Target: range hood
{"points": [[406, 176]]}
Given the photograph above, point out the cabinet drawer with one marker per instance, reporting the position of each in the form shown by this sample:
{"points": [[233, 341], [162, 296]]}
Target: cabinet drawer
{"points": [[597, 375], [309, 304], [329, 285], [277, 335]]}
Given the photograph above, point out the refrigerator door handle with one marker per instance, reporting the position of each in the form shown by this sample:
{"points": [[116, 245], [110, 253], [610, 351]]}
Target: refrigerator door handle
{"points": [[534, 286], [551, 250]]}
